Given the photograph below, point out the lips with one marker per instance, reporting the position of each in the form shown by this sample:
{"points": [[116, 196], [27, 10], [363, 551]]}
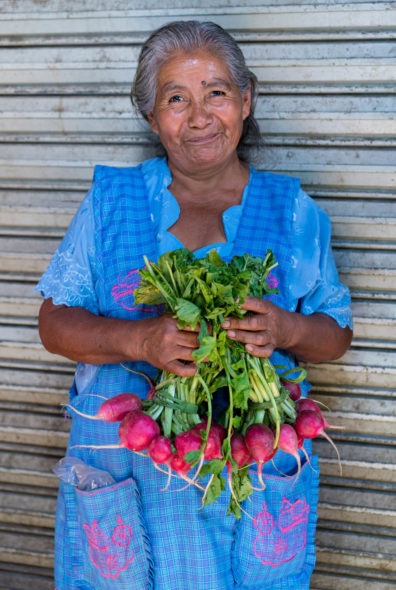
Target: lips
{"points": [[199, 140]]}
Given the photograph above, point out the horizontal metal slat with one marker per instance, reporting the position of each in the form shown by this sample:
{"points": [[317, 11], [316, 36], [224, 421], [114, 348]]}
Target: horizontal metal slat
{"points": [[357, 514], [30, 395], [31, 436], [353, 16], [359, 470], [28, 478]]}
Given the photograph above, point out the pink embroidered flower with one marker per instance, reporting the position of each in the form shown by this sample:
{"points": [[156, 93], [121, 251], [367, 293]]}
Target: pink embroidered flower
{"points": [[272, 281], [110, 556], [96, 537], [280, 540], [123, 292], [122, 533]]}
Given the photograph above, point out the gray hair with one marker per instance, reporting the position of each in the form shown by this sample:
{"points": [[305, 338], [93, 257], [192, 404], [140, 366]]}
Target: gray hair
{"points": [[189, 36]]}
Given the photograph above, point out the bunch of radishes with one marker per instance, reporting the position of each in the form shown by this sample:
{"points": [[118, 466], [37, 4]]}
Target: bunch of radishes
{"points": [[209, 447]]}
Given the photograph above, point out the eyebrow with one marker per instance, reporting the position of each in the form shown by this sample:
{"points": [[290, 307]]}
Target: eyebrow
{"points": [[174, 86]]}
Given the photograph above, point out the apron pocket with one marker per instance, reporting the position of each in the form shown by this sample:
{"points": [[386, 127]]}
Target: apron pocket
{"points": [[114, 547], [277, 545]]}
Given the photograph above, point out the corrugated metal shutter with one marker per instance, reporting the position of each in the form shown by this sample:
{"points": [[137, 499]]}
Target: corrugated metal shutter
{"points": [[327, 77]]}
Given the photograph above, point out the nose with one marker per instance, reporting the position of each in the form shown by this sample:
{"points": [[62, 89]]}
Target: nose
{"points": [[199, 115]]}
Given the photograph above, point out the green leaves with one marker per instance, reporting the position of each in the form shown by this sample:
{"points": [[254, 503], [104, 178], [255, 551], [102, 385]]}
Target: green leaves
{"points": [[187, 313], [242, 488], [214, 286], [203, 292]]}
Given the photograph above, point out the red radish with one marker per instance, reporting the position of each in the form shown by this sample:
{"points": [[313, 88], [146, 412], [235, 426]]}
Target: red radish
{"points": [[179, 464], [215, 427], [212, 448], [239, 451], [114, 408], [260, 441], [294, 389], [188, 441], [307, 404], [160, 449], [217, 434], [289, 442], [137, 430], [311, 424]]}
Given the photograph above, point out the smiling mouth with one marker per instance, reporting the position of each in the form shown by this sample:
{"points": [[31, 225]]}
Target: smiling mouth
{"points": [[203, 139]]}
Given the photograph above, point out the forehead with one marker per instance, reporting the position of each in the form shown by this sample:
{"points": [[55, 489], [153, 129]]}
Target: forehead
{"points": [[182, 67]]}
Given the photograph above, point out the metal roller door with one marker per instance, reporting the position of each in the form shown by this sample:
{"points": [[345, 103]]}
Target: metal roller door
{"points": [[327, 74]]}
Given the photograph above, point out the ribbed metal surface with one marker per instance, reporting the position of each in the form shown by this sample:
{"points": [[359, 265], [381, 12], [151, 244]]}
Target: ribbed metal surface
{"points": [[327, 100]]}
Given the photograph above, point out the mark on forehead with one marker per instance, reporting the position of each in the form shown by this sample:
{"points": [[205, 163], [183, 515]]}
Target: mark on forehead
{"points": [[203, 83]]}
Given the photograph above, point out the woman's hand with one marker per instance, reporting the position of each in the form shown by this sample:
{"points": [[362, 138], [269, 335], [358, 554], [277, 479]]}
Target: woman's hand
{"points": [[77, 334], [313, 338], [167, 347], [260, 330]]}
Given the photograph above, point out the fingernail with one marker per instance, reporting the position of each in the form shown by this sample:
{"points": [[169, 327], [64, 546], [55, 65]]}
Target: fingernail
{"points": [[225, 324], [231, 334]]}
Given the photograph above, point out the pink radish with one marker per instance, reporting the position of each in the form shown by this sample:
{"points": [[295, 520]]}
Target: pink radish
{"points": [[239, 451], [179, 465], [216, 435], [294, 389], [137, 430], [215, 427], [307, 404], [160, 449], [212, 448], [214, 441], [114, 408], [188, 441], [260, 441], [311, 424], [289, 442]]}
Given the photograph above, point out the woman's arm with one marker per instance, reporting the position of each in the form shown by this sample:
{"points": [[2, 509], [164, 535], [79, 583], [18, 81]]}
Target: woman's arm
{"points": [[311, 338], [77, 334]]}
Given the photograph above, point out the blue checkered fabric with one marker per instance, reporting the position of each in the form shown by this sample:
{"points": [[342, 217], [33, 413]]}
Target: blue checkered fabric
{"points": [[141, 533]]}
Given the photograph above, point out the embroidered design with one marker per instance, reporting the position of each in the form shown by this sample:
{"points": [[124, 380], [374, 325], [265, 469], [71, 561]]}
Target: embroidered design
{"points": [[123, 293], [280, 541], [272, 281], [110, 555]]}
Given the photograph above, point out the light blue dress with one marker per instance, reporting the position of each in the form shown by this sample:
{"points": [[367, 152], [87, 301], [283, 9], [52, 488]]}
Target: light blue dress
{"points": [[134, 535]]}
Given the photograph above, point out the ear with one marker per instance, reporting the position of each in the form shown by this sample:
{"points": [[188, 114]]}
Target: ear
{"points": [[246, 104], [152, 122]]}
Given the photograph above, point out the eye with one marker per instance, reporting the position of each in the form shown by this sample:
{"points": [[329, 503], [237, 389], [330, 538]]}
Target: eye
{"points": [[216, 93], [176, 98]]}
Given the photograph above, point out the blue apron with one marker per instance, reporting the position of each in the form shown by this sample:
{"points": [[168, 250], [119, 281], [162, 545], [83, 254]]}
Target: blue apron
{"points": [[146, 532]]}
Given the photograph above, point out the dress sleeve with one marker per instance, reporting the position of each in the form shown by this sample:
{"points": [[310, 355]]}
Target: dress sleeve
{"points": [[315, 282], [70, 276]]}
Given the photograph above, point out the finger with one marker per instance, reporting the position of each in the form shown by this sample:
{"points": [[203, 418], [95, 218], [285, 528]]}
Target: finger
{"points": [[257, 305], [248, 323], [261, 339], [260, 351], [181, 369], [188, 340]]}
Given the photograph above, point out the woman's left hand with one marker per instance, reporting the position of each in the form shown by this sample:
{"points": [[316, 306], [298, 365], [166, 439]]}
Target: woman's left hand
{"points": [[312, 338], [261, 330]]}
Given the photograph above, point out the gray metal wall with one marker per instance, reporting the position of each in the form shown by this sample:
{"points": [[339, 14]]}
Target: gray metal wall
{"points": [[327, 75]]}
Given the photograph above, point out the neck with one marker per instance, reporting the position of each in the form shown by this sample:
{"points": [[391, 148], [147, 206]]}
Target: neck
{"points": [[233, 176]]}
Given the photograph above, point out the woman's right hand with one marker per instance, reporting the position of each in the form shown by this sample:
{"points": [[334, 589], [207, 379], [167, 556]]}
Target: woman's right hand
{"points": [[77, 334], [167, 347]]}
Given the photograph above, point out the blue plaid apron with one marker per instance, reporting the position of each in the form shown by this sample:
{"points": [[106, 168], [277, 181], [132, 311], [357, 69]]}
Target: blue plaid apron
{"points": [[146, 533]]}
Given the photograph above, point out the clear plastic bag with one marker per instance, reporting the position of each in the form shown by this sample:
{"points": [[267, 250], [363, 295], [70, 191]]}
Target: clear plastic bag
{"points": [[84, 477]]}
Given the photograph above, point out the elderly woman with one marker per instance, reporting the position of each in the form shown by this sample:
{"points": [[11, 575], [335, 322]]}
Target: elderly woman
{"points": [[194, 89]]}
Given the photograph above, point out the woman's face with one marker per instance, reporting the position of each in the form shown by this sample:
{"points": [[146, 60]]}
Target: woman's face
{"points": [[198, 113]]}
